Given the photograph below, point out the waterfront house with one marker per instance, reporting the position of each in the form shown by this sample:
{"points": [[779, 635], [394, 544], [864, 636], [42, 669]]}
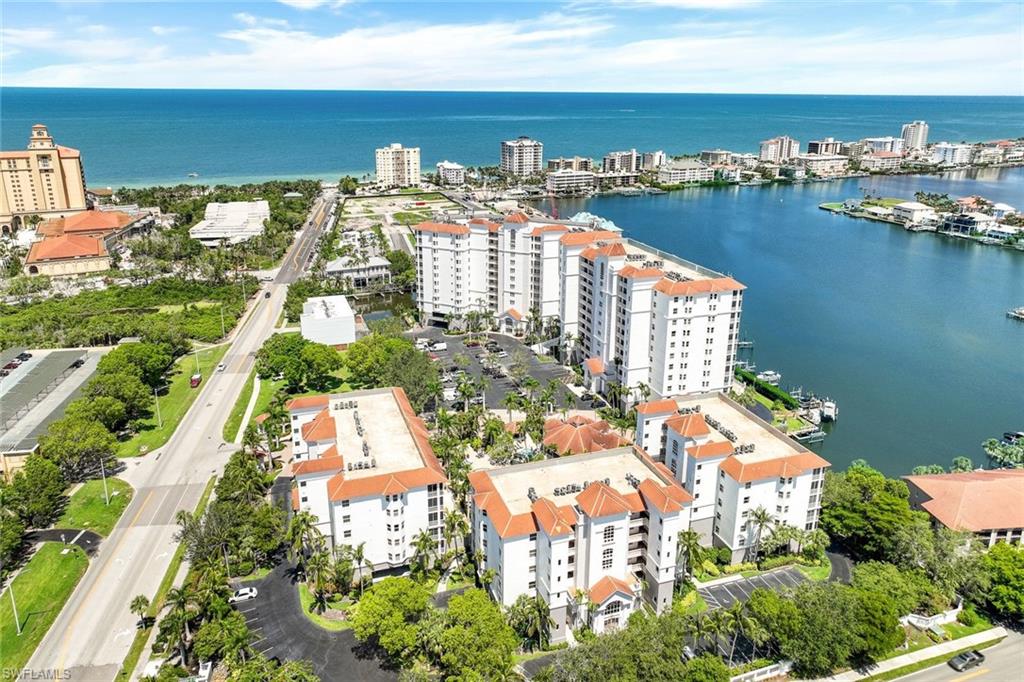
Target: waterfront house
{"points": [[913, 212], [967, 223]]}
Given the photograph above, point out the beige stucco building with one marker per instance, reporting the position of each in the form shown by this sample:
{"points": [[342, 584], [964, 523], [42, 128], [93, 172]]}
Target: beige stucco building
{"points": [[45, 179]]}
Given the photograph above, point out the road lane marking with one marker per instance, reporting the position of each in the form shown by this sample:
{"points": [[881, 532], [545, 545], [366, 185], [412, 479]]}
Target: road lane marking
{"points": [[976, 673], [124, 535]]}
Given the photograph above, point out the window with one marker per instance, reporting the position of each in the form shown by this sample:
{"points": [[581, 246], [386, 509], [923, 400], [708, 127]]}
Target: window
{"points": [[746, 500], [606, 559], [347, 534], [613, 608], [533, 584], [344, 503], [346, 518], [609, 534]]}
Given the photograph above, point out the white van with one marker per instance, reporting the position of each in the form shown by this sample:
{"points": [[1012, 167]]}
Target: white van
{"points": [[438, 345]]}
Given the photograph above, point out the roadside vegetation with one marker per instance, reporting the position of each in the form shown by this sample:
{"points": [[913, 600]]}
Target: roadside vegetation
{"points": [[87, 508]]}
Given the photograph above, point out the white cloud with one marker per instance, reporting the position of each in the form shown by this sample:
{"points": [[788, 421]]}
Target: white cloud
{"points": [[165, 30], [253, 21], [692, 4], [313, 4]]}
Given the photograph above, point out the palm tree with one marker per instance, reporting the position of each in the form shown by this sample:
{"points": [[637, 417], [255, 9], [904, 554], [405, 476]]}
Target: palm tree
{"points": [[359, 561], [318, 565], [301, 533], [466, 390], [235, 635], [486, 578], [512, 401], [761, 518], [719, 625], [689, 552], [539, 622], [482, 384], [742, 623], [698, 626], [444, 421], [139, 606], [423, 546], [455, 528]]}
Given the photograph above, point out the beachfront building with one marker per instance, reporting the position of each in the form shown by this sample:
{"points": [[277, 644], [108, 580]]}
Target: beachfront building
{"points": [[779, 149], [731, 462], [715, 156], [882, 144], [986, 503], [576, 163], [567, 181], [522, 156], [829, 145], [881, 162], [328, 320], [628, 161], [652, 161], [685, 170], [398, 166], [914, 135], [364, 468], [233, 222], [45, 180], [597, 528], [747, 161], [914, 212], [451, 173], [972, 222], [946, 154], [822, 165]]}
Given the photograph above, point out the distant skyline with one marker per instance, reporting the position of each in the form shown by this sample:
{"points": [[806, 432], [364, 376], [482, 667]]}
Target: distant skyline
{"points": [[657, 46]]}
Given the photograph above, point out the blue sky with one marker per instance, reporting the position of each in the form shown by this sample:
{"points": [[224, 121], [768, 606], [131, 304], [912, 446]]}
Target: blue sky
{"points": [[857, 47]]}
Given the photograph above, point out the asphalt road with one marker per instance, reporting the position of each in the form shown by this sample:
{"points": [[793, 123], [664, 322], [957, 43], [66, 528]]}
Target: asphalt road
{"points": [[1004, 662], [92, 634]]}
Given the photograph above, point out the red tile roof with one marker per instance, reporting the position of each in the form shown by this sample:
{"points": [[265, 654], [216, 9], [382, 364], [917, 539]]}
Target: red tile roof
{"points": [[514, 314], [659, 497], [446, 228], [321, 427], [319, 465], [538, 231], [698, 286], [777, 467], [600, 500], [578, 434], [718, 448], [307, 402], [487, 498], [587, 237], [976, 500], [633, 272], [517, 218], [556, 521], [689, 425], [608, 586], [663, 406], [594, 365], [491, 226], [66, 246]]}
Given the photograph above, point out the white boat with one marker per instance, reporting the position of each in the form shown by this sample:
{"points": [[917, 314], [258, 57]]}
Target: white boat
{"points": [[770, 376], [193, 174], [829, 410]]}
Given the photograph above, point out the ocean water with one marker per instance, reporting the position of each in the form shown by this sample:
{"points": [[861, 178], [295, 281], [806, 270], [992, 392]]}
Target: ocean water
{"points": [[907, 331], [138, 137]]}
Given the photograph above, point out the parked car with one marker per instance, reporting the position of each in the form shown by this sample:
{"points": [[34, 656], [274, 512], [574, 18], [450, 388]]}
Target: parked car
{"points": [[266, 295], [438, 345], [24, 356], [78, 363], [13, 364], [966, 660], [244, 594], [501, 354]]}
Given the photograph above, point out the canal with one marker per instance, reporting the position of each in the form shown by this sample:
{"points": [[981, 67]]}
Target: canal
{"points": [[907, 331]]}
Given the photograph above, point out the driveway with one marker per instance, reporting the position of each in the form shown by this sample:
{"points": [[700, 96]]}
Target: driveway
{"points": [[282, 631], [542, 372], [88, 540], [725, 595]]}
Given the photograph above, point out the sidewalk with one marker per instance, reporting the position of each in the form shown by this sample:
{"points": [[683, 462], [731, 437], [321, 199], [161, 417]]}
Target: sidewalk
{"points": [[919, 655]]}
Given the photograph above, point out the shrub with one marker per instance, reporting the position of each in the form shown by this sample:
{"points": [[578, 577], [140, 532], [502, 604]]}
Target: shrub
{"points": [[968, 616], [708, 567], [739, 568], [784, 560], [722, 556], [773, 393]]}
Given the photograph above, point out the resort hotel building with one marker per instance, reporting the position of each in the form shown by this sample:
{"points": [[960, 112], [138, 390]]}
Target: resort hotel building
{"points": [[45, 180], [638, 315], [363, 466], [730, 462], [592, 534]]}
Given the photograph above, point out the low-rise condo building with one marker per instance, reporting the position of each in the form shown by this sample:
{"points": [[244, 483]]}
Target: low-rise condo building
{"points": [[522, 156], [45, 180], [779, 149], [598, 528], [567, 181], [715, 156], [986, 503], [233, 222], [451, 173], [398, 166], [364, 468], [361, 272], [576, 163], [685, 170], [914, 135], [822, 165], [882, 144], [946, 154], [881, 162], [731, 463], [328, 320]]}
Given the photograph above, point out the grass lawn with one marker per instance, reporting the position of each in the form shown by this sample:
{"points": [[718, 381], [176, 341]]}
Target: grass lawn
{"points": [[832, 205], [257, 574], [927, 663], [306, 600], [408, 217], [40, 589], [958, 630], [816, 573], [238, 411], [174, 402], [88, 508], [887, 202]]}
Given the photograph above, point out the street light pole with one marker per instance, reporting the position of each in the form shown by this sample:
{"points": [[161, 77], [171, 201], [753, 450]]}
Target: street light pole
{"points": [[14, 606], [159, 419], [223, 333], [195, 352], [103, 473]]}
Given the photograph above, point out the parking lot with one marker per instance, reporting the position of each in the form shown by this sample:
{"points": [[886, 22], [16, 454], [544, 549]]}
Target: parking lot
{"points": [[542, 372], [726, 594]]}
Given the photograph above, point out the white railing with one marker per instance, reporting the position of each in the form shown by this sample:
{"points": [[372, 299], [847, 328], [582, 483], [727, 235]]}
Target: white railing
{"points": [[774, 670], [925, 622]]}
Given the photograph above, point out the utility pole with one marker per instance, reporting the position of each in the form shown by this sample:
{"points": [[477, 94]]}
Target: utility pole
{"points": [[103, 473], [223, 333], [14, 606], [195, 351], [159, 419]]}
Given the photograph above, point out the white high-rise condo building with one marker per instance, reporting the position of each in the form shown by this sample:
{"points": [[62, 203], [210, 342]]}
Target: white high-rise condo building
{"points": [[915, 135], [522, 156], [596, 528], [365, 469], [398, 166], [947, 154], [779, 149], [614, 162], [732, 463], [650, 161], [451, 173]]}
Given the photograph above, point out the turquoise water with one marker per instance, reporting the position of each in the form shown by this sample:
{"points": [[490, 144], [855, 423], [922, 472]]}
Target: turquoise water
{"points": [[906, 330], [139, 137]]}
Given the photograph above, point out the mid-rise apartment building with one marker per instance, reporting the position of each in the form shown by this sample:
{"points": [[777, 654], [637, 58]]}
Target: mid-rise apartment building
{"points": [[45, 180], [398, 166], [685, 170], [522, 156], [779, 149], [363, 466], [881, 161], [576, 163], [947, 154], [567, 181], [914, 135], [882, 144], [730, 462], [823, 165], [451, 173], [829, 145], [715, 156], [652, 161], [628, 161], [595, 528]]}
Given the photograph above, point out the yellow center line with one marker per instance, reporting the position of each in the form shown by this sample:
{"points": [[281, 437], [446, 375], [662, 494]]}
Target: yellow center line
{"points": [[74, 617], [976, 673]]}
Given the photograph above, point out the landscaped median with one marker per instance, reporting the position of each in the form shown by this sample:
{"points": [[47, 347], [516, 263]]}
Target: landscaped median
{"points": [[88, 509], [173, 402], [335, 603], [40, 590]]}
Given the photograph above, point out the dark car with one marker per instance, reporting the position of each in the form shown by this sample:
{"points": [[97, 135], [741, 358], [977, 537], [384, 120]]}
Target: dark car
{"points": [[266, 295], [13, 364], [24, 356], [966, 660]]}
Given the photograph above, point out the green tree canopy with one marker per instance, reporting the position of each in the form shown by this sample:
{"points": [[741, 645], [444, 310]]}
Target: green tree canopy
{"points": [[77, 447], [477, 642], [1005, 566], [387, 615], [36, 491]]}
